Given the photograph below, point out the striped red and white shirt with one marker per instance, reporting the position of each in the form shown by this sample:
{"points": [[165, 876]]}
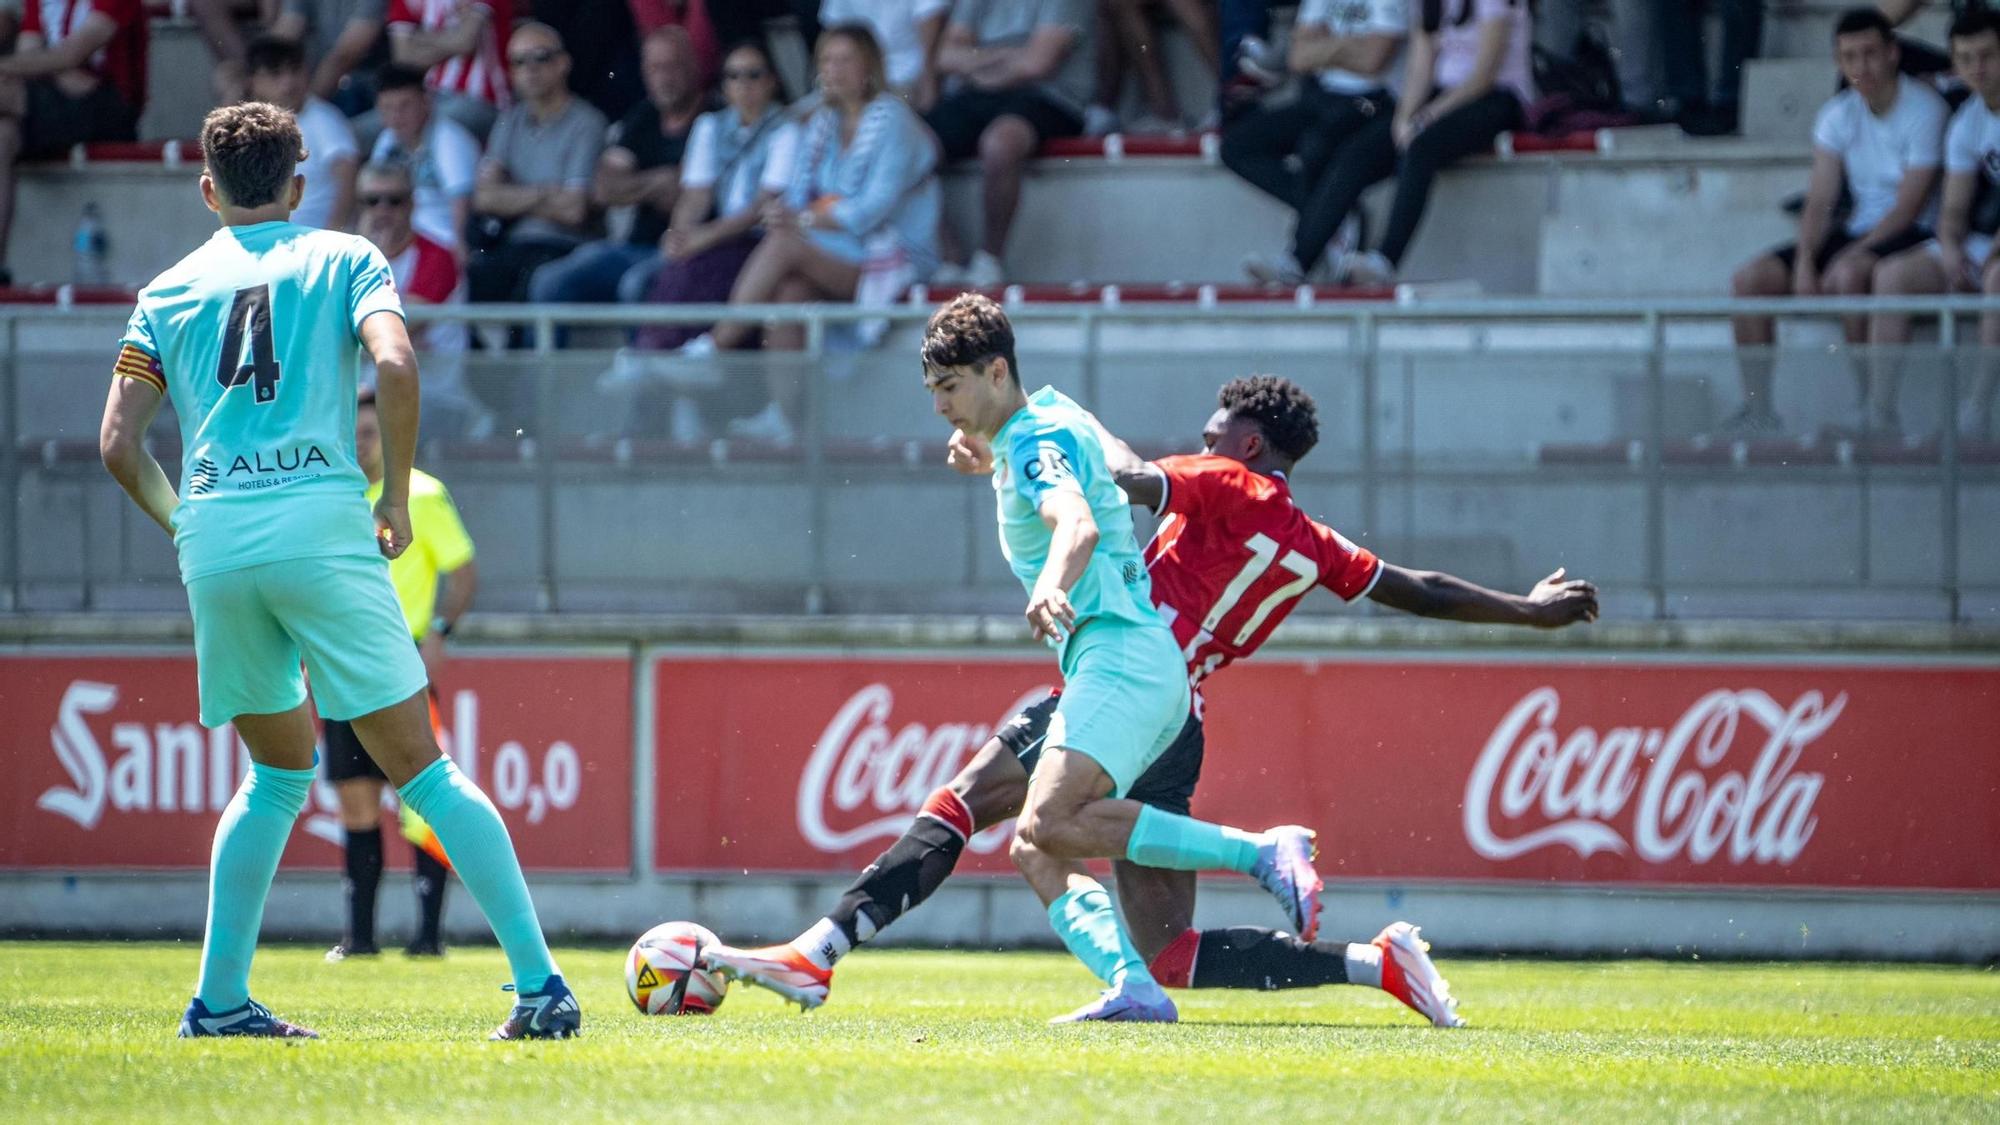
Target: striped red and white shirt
{"points": [[121, 62], [481, 74]]}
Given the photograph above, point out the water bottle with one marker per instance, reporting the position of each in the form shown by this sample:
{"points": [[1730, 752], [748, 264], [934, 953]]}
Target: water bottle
{"points": [[90, 248]]}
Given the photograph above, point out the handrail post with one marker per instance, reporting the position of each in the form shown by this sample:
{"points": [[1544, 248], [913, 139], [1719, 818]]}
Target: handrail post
{"points": [[10, 460], [545, 457], [816, 482], [1656, 473], [1948, 474]]}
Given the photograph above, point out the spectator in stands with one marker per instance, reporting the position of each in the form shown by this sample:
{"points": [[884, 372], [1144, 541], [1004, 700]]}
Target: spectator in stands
{"points": [[910, 32], [1917, 57], [344, 46], [1882, 137], [81, 78], [426, 273], [858, 220], [739, 162], [532, 202], [690, 16], [603, 50], [217, 21], [641, 169], [1291, 151], [1700, 106], [443, 158], [460, 44], [1466, 80], [277, 72], [1125, 35], [1018, 73], [1961, 257], [737, 21]]}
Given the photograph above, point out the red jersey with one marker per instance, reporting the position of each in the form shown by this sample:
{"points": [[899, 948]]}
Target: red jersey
{"points": [[481, 74], [425, 271], [1233, 555], [121, 62]]}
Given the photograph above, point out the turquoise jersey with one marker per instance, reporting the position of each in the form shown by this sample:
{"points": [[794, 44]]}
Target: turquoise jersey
{"points": [[1052, 445], [256, 335]]}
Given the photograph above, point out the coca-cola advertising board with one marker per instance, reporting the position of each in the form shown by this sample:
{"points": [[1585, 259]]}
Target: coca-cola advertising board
{"points": [[108, 766], [1833, 774]]}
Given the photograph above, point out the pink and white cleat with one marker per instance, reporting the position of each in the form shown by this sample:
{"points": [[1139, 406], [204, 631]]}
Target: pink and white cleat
{"points": [[1409, 975], [1285, 868], [780, 968]]}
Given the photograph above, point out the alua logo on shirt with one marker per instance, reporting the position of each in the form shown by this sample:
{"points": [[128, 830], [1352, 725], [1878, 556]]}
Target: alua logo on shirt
{"points": [[267, 461]]}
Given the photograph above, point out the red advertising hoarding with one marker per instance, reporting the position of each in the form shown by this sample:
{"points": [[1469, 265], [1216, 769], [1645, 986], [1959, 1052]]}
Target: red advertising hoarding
{"points": [[109, 768], [1802, 774]]}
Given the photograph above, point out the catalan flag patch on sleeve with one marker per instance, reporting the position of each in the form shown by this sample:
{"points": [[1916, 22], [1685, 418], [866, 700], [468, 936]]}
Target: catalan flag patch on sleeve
{"points": [[134, 363]]}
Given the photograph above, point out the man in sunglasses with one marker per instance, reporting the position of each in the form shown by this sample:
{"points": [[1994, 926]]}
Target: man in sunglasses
{"points": [[532, 203], [426, 273]]}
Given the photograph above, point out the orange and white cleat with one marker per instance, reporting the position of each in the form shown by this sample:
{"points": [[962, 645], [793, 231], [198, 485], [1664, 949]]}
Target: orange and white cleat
{"points": [[780, 968], [1409, 975]]}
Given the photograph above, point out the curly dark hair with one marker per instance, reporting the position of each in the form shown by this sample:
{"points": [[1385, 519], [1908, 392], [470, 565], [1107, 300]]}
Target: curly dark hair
{"points": [[969, 331], [252, 150], [1281, 408]]}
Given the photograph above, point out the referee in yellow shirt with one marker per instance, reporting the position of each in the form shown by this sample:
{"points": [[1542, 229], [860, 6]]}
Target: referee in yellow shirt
{"points": [[441, 550]]}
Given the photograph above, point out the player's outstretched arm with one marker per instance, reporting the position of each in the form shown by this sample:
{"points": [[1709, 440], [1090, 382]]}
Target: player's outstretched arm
{"points": [[1072, 537], [1553, 603], [1141, 480], [387, 339], [121, 442]]}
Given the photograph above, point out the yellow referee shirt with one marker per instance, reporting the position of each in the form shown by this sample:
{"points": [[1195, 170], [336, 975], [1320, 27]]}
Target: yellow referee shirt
{"points": [[440, 545]]}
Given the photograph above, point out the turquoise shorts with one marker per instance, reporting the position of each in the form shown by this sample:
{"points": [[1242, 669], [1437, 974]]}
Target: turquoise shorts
{"points": [[338, 614], [1124, 698]]}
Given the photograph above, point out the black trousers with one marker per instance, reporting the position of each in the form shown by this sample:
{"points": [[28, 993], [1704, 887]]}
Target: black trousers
{"points": [[1369, 156], [1259, 145]]}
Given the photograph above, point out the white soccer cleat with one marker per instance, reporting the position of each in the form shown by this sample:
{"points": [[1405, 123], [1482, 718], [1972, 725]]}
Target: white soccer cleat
{"points": [[1409, 975], [1285, 869], [780, 968]]}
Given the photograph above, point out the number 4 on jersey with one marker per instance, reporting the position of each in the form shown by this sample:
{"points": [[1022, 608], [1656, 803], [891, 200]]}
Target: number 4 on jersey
{"points": [[251, 312]]}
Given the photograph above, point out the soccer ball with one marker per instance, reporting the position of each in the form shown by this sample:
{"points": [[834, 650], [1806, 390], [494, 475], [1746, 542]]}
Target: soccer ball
{"points": [[663, 974]]}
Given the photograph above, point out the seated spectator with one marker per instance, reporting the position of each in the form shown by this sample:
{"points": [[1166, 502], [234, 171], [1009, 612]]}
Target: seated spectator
{"points": [[1915, 57], [910, 32], [603, 48], [1125, 35], [442, 157], [458, 44], [532, 202], [344, 46], [1466, 80], [1018, 73], [859, 217], [1293, 151], [690, 16], [739, 162], [277, 73], [1960, 259], [78, 80], [216, 20], [426, 273], [1882, 138], [640, 168]]}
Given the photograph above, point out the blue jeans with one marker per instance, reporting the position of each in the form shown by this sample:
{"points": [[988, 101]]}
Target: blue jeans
{"points": [[597, 273]]}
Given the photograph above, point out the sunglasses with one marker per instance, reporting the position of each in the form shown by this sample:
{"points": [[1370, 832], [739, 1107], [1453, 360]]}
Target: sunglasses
{"points": [[384, 200], [541, 57], [747, 74]]}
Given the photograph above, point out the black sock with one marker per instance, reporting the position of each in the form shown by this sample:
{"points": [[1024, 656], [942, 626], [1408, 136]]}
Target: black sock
{"points": [[1249, 957], [899, 879], [364, 875], [430, 880]]}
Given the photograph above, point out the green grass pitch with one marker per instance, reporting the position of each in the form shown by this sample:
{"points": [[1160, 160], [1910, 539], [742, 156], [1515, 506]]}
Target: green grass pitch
{"points": [[86, 1033]]}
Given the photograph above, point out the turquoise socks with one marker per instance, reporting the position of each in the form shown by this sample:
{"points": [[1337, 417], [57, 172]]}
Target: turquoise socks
{"points": [[1087, 924], [248, 841], [1181, 843], [476, 840]]}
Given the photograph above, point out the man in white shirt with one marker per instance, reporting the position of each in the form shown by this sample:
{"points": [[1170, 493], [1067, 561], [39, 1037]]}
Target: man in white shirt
{"points": [[909, 32], [442, 155], [1883, 137], [1961, 257], [277, 74], [1348, 52]]}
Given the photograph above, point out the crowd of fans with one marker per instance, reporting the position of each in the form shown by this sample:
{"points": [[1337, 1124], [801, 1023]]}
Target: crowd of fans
{"points": [[647, 151]]}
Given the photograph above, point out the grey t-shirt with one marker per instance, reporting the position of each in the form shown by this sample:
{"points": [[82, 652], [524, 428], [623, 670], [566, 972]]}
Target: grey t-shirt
{"points": [[1010, 23], [326, 19], [561, 151]]}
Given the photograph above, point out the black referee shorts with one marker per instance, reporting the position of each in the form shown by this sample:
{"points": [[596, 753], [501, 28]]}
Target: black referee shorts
{"points": [[1168, 784]]}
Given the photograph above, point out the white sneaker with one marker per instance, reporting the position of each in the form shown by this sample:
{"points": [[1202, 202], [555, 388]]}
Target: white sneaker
{"points": [[948, 275], [1369, 269], [1153, 125], [692, 366], [1274, 269], [1099, 121], [767, 425], [985, 272]]}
